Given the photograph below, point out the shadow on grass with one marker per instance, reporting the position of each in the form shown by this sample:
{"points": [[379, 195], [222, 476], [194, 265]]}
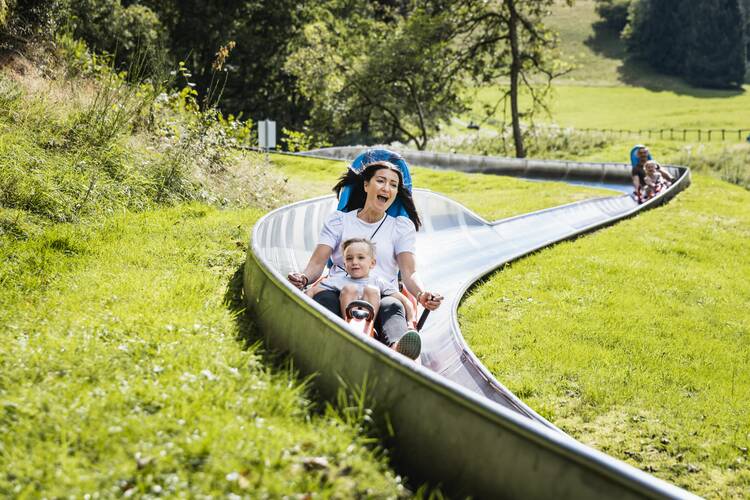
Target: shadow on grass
{"points": [[606, 42]]}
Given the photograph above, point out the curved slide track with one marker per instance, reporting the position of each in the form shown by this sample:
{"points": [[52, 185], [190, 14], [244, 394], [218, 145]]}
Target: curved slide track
{"points": [[452, 422]]}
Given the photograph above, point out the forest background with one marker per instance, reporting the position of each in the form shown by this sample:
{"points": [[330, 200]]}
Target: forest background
{"points": [[355, 72]]}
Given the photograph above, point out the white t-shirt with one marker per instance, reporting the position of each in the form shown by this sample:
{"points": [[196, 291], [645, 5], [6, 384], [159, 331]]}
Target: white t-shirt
{"points": [[395, 236], [341, 280]]}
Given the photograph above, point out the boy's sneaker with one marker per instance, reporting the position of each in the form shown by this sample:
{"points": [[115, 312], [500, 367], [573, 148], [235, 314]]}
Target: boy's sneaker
{"points": [[410, 345]]}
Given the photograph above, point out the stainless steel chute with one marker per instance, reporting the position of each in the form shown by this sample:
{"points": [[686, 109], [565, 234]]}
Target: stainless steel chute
{"points": [[453, 423]]}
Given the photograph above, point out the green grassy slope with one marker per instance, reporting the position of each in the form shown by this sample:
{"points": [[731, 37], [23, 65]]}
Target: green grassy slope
{"points": [[124, 370], [636, 339], [125, 366]]}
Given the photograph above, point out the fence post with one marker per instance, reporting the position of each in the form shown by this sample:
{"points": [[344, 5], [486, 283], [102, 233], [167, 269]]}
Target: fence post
{"points": [[709, 135], [700, 134], [684, 135], [722, 135], [671, 134]]}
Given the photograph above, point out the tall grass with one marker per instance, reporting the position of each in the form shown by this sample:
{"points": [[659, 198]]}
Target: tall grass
{"points": [[540, 142], [100, 142]]}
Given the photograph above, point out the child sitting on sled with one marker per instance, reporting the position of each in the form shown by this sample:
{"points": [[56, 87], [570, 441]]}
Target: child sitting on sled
{"points": [[653, 180], [359, 284]]}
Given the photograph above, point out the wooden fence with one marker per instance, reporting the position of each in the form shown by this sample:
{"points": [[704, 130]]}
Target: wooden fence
{"points": [[738, 135]]}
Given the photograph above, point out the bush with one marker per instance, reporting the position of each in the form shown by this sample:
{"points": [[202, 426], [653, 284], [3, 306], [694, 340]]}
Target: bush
{"points": [[614, 13], [25, 20], [107, 26], [301, 141]]}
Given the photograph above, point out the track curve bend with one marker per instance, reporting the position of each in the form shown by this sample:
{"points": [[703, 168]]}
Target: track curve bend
{"points": [[453, 422]]}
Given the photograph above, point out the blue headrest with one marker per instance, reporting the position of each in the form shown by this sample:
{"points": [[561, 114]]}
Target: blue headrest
{"points": [[634, 154], [371, 156]]}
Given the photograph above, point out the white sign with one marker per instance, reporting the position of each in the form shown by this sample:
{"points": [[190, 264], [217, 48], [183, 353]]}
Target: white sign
{"points": [[267, 134]]}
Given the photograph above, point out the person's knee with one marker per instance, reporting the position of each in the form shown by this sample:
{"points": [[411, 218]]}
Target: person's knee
{"points": [[390, 306], [328, 299]]}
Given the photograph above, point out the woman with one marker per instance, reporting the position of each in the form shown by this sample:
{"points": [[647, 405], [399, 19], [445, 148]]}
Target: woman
{"points": [[373, 185]]}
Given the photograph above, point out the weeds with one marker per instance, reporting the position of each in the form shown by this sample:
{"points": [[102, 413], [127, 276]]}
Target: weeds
{"points": [[730, 164], [88, 142], [541, 142]]}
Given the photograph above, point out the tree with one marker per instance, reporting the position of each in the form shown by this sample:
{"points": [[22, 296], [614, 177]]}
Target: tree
{"points": [[373, 78], [257, 84], [657, 33], [716, 54], [510, 37], [614, 13], [701, 40]]}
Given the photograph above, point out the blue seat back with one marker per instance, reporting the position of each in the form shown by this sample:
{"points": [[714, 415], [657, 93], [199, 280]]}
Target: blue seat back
{"points": [[634, 154]]}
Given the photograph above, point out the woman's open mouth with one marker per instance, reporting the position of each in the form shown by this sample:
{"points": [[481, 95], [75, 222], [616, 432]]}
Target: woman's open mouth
{"points": [[382, 198]]}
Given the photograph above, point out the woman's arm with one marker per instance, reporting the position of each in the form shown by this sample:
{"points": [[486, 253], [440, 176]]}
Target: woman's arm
{"points": [[407, 264], [314, 267]]}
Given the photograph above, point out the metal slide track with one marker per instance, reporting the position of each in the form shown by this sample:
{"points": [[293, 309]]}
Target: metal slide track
{"points": [[453, 423]]}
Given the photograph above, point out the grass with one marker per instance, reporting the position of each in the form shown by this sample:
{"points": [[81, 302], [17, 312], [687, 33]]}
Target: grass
{"points": [[637, 108], [479, 192], [636, 340], [128, 367], [126, 370]]}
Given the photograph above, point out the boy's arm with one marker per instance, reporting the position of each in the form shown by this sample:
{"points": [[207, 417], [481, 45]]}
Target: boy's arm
{"points": [[310, 292], [408, 307]]}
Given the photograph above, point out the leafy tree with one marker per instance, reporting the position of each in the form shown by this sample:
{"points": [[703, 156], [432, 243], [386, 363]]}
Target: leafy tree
{"points": [[514, 44], [374, 79], [716, 54], [257, 84], [701, 40], [614, 13], [657, 34], [125, 31]]}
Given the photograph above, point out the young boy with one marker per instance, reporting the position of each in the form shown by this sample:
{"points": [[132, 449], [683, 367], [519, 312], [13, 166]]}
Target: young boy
{"points": [[359, 260]]}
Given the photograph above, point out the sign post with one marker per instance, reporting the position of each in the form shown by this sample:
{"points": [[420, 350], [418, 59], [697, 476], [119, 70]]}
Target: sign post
{"points": [[266, 135]]}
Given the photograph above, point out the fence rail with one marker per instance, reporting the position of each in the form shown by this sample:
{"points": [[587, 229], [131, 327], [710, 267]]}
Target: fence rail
{"points": [[678, 133]]}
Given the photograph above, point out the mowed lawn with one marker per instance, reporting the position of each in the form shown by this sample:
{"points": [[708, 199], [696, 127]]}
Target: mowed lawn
{"points": [[638, 108], [636, 339]]}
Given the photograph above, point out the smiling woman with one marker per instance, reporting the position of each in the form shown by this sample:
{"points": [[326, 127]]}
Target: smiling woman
{"points": [[375, 203]]}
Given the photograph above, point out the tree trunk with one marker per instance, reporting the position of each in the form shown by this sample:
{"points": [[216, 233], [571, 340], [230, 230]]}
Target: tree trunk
{"points": [[515, 71]]}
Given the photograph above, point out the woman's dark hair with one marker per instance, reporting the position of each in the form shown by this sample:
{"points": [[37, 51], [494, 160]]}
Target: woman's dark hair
{"points": [[357, 196]]}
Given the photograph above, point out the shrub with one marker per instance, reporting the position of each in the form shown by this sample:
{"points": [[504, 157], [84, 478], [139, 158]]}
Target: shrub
{"points": [[24, 20], [301, 141], [125, 32], [614, 13]]}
